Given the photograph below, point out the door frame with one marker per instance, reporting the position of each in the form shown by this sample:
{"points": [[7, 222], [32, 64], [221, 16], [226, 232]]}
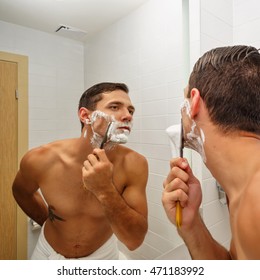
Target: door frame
{"points": [[22, 63]]}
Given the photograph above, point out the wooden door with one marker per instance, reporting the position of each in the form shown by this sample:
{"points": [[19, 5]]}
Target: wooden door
{"points": [[13, 144], [8, 158]]}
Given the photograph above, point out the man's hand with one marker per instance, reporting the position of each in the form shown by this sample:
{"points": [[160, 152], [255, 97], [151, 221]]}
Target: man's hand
{"points": [[181, 185], [97, 172]]}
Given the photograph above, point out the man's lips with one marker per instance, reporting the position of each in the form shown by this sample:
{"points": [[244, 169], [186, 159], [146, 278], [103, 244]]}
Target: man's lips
{"points": [[124, 128]]}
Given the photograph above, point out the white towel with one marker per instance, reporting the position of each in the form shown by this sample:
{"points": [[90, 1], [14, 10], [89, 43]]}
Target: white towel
{"points": [[44, 251]]}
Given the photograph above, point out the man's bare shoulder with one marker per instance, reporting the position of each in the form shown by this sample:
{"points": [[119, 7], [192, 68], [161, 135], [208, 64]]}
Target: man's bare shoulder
{"points": [[135, 163], [43, 155], [248, 219], [132, 156]]}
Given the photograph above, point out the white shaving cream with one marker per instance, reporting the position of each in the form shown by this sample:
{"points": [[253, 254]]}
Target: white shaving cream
{"points": [[114, 135], [99, 114], [195, 138], [120, 136]]}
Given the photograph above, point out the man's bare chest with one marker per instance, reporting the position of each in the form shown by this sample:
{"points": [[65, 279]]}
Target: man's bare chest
{"points": [[62, 189]]}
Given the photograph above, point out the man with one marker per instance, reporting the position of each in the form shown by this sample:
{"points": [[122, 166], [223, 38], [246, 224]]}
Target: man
{"points": [[221, 119], [88, 195]]}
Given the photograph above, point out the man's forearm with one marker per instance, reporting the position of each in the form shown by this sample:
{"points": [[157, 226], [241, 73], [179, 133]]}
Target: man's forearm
{"points": [[33, 206], [201, 244], [128, 225]]}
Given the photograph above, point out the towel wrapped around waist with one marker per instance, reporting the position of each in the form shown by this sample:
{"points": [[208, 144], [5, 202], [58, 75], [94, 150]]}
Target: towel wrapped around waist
{"points": [[44, 251]]}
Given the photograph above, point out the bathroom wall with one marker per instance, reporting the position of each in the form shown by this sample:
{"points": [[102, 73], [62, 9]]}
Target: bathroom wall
{"points": [[56, 82], [247, 22]]}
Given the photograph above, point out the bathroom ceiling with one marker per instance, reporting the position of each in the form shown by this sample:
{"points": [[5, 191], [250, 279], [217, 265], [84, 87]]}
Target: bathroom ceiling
{"points": [[76, 19]]}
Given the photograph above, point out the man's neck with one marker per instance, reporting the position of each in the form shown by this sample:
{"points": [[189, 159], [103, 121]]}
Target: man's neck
{"points": [[232, 159]]}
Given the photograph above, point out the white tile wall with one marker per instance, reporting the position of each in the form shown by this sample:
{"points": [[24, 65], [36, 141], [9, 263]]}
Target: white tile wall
{"points": [[247, 22], [216, 24]]}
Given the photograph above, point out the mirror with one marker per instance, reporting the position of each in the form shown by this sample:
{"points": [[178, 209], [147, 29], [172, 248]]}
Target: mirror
{"points": [[146, 49]]}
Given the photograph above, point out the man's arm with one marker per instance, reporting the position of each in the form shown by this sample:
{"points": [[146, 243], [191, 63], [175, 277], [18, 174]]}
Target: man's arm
{"points": [[25, 190], [181, 185], [127, 213], [201, 244]]}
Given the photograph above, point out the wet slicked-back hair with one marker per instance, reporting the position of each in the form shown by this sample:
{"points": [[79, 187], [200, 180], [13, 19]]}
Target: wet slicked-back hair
{"points": [[92, 95], [228, 79]]}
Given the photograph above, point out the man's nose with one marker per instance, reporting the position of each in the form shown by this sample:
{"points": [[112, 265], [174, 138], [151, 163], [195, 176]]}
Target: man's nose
{"points": [[127, 116]]}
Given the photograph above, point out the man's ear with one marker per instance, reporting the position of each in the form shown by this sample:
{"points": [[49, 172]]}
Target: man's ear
{"points": [[195, 102], [84, 114]]}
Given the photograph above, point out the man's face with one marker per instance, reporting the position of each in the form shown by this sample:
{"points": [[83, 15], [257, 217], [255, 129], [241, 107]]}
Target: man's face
{"points": [[113, 117], [117, 104]]}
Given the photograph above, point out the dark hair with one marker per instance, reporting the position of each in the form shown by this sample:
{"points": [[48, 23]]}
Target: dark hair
{"points": [[228, 79], [92, 95]]}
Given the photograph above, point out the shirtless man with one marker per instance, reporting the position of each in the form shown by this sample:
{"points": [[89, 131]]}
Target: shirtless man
{"points": [[221, 118], [88, 195]]}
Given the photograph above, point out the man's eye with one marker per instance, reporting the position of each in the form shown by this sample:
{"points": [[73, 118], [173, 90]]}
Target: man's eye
{"points": [[114, 108]]}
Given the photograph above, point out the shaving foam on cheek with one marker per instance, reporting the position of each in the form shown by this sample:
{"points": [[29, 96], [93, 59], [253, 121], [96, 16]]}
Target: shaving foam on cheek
{"points": [[115, 134], [95, 117], [195, 138], [99, 114]]}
